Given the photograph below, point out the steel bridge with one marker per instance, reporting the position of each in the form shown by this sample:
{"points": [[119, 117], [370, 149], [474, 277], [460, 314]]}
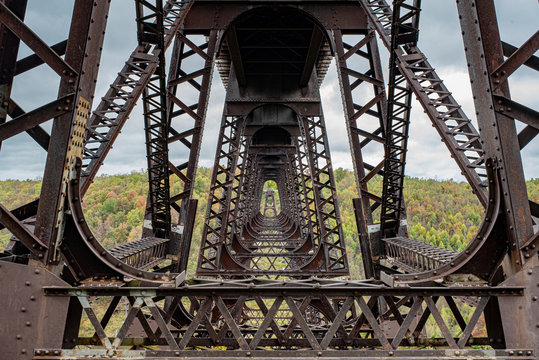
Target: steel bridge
{"points": [[271, 281]]}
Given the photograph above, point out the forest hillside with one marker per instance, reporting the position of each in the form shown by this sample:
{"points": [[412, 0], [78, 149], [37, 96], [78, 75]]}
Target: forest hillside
{"points": [[442, 213]]}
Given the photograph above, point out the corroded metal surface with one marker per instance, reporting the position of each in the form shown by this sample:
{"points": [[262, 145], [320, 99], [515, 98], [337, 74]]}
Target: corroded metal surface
{"points": [[274, 279]]}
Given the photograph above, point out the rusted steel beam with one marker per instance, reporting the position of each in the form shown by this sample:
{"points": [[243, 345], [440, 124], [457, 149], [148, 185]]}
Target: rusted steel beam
{"points": [[404, 32], [532, 62], [9, 44], [516, 110], [49, 56], [498, 128], [447, 116], [83, 53], [35, 117], [151, 32], [18, 229], [106, 122], [37, 133], [32, 61], [519, 57], [24, 212]]}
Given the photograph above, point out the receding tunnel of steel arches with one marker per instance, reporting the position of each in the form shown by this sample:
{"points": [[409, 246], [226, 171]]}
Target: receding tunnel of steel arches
{"points": [[272, 135], [270, 202], [277, 43]]}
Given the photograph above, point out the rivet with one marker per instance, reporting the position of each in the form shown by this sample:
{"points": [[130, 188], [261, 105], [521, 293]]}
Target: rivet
{"points": [[319, 353], [18, 336], [32, 298], [27, 283], [23, 309], [23, 351], [36, 271], [28, 323]]}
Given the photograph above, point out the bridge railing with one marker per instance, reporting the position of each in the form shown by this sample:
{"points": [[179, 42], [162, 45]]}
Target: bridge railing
{"points": [[307, 317]]}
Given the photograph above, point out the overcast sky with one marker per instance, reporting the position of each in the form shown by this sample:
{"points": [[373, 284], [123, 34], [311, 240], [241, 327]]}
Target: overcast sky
{"points": [[440, 40]]}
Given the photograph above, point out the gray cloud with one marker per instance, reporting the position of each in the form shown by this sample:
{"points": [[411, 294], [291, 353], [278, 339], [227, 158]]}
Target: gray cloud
{"points": [[440, 39]]}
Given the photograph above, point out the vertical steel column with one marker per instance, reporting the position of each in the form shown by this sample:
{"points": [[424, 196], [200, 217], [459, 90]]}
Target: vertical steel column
{"points": [[189, 135], [83, 54], [218, 208], [151, 31], [307, 191], [488, 74], [360, 117], [325, 194], [498, 131], [404, 32], [9, 43]]}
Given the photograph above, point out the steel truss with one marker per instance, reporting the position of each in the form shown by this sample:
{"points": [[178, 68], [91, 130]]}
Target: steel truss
{"points": [[281, 291]]}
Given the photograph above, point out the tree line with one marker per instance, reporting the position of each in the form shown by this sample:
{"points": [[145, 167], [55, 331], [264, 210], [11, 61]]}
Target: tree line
{"points": [[443, 213]]}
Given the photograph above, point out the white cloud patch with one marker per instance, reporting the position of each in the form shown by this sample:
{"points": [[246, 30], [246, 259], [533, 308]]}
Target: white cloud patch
{"points": [[22, 158]]}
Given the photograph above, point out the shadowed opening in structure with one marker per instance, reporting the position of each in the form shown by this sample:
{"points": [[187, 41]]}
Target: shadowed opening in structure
{"points": [[272, 135]]}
